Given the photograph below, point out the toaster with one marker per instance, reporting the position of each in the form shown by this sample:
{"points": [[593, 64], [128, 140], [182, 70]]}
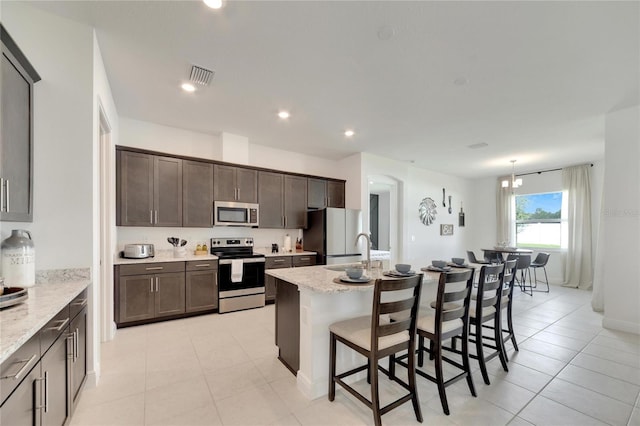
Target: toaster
{"points": [[138, 251]]}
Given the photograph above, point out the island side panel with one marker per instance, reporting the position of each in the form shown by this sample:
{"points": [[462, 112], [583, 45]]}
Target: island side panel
{"points": [[288, 324], [317, 312]]}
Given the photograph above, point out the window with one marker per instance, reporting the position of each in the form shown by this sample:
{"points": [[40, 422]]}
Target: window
{"points": [[539, 220]]}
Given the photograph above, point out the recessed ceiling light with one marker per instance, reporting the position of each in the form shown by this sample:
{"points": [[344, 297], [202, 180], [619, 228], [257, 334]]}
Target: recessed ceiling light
{"points": [[461, 81], [349, 133], [284, 114], [188, 87], [213, 4]]}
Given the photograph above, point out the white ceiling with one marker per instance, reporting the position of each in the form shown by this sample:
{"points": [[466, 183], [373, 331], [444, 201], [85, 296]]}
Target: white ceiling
{"points": [[540, 76]]}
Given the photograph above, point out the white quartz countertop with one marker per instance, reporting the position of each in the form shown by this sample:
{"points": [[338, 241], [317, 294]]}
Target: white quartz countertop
{"points": [[20, 322], [268, 253], [320, 279], [164, 258]]}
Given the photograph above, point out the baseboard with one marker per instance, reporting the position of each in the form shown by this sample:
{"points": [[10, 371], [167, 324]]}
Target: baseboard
{"points": [[626, 326]]}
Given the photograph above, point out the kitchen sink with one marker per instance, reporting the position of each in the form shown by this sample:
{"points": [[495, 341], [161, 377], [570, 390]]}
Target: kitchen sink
{"points": [[343, 267]]}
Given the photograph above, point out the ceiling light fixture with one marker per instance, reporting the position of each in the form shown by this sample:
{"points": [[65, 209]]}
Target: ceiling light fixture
{"points": [[188, 87], [349, 133], [213, 4], [284, 114], [512, 183]]}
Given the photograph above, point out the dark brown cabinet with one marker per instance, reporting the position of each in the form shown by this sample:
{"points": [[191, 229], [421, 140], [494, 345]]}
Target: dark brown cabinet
{"points": [[316, 193], [232, 183], [283, 200], [197, 194], [149, 190], [335, 194], [54, 376], [16, 132], [78, 331], [201, 286], [288, 325], [274, 262], [147, 291]]}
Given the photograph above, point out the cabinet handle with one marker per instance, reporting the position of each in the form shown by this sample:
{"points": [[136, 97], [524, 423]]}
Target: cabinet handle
{"points": [[44, 379], [6, 195], [76, 345], [305, 259], [202, 265], [157, 279], [70, 347], [151, 284], [61, 326], [238, 197], [155, 268], [81, 302], [1, 194], [24, 368], [156, 212], [151, 217], [278, 260]]}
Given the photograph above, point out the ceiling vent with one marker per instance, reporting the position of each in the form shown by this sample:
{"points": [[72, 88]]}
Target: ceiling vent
{"points": [[201, 76]]}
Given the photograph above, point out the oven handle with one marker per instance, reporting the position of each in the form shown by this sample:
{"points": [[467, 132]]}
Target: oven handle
{"points": [[250, 260]]}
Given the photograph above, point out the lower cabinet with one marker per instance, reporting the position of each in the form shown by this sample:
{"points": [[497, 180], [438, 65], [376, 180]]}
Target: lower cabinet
{"points": [[151, 291], [47, 372], [201, 286], [276, 262]]}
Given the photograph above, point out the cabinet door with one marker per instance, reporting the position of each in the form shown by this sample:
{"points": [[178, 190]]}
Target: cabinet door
{"points": [[170, 294], [295, 202], [20, 407], [136, 298], [202, 290], [54, 388], [269, 288], [135, 189], [271, 198], [79, 364], [167, 191], [316, 193], [197, 194], [224, 183], [16, 142], [247, 184], [335, 194]]}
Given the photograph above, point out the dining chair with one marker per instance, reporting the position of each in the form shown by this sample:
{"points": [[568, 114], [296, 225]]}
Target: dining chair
{"points": [[540, 262], [486, 308], [376, 337], [449, 318], [472, 258], [522, 269]]}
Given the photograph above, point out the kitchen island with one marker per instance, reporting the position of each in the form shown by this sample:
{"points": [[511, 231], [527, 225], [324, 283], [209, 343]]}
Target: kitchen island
{"points": [[307, 302]]}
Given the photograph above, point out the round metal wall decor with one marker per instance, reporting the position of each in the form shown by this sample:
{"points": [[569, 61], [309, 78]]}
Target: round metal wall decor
{"points": [[427, 210]]}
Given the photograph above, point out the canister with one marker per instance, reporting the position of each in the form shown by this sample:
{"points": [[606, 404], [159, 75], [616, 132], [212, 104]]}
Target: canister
{"points": [[18, 259]]}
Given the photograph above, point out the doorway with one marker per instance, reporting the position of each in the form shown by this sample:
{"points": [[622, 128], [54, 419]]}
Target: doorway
{"points": [[383, 219]]}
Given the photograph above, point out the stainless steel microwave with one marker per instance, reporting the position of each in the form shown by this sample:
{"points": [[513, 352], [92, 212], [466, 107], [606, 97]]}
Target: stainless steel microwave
{"points": [[229, 213]]}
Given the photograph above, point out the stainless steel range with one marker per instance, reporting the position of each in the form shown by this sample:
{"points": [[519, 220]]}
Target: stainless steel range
{"points": [[241, 274]]}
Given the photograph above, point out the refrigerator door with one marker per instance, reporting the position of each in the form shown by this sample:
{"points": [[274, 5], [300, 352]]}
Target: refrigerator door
{"points": [[335, 232], [347, 258], [353, 226]]}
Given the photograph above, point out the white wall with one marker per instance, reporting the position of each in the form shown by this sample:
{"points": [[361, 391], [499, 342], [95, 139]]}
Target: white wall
{"points": [[622, 220], [61, 51]]}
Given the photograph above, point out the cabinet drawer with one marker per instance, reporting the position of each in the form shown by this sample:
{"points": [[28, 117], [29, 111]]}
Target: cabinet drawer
{"points": [[17, 367], [56, 326], [201, 265], [76, 305], [277, 262], [151, 268], [305, 260]]}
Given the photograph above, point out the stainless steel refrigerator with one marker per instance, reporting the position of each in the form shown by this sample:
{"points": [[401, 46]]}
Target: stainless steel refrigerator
{"points": [[332, 234]]}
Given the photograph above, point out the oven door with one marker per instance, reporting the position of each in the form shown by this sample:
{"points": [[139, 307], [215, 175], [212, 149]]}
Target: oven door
{"points": [[252, 277]]}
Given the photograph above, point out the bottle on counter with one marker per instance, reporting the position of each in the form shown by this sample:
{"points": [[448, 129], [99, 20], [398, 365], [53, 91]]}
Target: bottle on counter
{"points": [[287, 244], [18, 259]]}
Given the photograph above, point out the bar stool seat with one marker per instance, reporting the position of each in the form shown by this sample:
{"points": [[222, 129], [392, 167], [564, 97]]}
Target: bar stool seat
{"points": [[428, 323], [358, 331]]}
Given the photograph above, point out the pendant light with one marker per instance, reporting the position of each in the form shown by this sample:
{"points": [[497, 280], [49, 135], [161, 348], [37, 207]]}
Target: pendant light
{"points": [[512, 183]]}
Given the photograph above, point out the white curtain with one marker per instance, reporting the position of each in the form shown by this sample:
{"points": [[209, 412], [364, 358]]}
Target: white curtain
{"points": [[579, 267], [505, 213]]}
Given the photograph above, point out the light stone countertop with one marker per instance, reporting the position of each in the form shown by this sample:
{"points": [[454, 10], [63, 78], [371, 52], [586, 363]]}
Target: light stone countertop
{"points": [[164, 257], [268, 253], [20, 322], [320, 280]]}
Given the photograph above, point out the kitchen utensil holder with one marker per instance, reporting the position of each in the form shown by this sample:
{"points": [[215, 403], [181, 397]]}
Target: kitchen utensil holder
{"points": [[179, 252]]}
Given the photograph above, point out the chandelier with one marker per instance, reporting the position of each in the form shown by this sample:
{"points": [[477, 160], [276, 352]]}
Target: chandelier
{"points": [[513, 182]]}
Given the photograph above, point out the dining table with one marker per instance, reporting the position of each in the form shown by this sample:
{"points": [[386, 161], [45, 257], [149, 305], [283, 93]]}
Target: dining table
{"points": [[507, 251]]}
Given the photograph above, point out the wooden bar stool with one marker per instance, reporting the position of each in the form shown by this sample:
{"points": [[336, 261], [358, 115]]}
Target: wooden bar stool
{"points": [[376, 337]]}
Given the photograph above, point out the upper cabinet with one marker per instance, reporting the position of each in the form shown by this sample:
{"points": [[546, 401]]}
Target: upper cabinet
{"points": [[197, 194], [325, 193], [149, 190], [283, 200], [235, 184], [16, 132]]}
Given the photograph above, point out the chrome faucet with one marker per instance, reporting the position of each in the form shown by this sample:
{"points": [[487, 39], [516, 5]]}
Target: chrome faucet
{"points": [[367, 263]]}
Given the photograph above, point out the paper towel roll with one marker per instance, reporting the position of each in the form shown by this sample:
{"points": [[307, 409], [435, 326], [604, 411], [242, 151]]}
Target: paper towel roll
{"points": [[287, 243]]}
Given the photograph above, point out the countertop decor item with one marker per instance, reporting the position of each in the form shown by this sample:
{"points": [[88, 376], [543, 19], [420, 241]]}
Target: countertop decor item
{"points": [[13, 296], [446, 229], [18, 259], [427, 211]]}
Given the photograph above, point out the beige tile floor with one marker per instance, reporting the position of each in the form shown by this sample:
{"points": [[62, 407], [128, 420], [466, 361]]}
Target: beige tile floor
{"points": [[222, 370]]}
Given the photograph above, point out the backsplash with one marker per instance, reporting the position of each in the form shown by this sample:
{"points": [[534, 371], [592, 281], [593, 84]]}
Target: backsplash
{"points": [[263, 238]]}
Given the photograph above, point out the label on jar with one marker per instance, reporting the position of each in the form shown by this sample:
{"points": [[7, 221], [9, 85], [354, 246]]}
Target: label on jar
{"points": [[18, 267]]}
